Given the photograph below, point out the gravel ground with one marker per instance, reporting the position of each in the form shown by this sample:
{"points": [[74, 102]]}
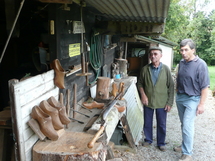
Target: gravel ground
{"points": [[204, 142]]}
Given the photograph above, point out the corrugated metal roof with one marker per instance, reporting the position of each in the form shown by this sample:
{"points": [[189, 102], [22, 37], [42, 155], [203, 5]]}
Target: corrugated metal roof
{"points": [[132, 10], [140, 38]]}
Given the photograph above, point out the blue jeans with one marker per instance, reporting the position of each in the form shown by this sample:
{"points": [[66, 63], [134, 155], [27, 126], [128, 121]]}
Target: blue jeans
{"points": [[161, 116], [187, 107]]}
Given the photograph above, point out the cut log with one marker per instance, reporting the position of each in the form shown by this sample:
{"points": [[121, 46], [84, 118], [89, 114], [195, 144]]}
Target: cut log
{"points": [[71, 146], [103, 85]]}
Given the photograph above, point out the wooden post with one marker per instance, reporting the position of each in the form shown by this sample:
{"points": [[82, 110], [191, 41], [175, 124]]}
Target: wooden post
{"points": [[74, 99], [103, 85]]}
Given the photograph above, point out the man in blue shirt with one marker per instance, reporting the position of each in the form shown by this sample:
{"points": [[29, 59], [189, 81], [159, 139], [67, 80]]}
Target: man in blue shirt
{"points": [[192, 88]]}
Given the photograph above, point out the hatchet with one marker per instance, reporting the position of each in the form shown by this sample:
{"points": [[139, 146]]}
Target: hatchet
{"points": [[103, 122]]}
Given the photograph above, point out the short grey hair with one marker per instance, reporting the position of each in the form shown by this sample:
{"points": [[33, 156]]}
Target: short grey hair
{"points": [[188, 42]]}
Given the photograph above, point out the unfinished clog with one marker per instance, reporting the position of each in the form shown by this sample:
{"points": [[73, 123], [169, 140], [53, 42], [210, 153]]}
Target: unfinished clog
{"points": [[45, 123], [53, 112], [61, 109]]}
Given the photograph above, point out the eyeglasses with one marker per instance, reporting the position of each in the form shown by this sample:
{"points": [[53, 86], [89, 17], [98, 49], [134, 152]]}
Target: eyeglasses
{"points": [[151, 54]]}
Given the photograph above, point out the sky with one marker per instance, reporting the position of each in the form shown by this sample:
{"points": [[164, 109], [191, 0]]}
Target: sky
{"points": [[207, 9]]}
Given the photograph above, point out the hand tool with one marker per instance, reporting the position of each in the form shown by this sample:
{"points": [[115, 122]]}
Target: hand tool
{"points": [[103, 122], [83, 65], [90, 122], [68, 105], [81, 122], [74, 99], [61, 98], [80, 113]]}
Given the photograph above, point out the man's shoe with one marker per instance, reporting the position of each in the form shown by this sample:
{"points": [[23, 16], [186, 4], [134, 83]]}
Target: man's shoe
{"points": [[162, 148], [146, 144], [185, 158], [177, 149]]}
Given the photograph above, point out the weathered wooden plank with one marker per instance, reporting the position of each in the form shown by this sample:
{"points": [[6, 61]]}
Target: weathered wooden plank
{"points": [[29, 156], [26, 109], [112, 121], [57, 1], [27, 133], [30, 142], [127, 131], [24, 96], [40, 90], [16, 120], [134, 112], [33, 82]]}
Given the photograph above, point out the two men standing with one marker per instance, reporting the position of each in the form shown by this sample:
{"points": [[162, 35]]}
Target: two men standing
{"points": [[156, 88]]}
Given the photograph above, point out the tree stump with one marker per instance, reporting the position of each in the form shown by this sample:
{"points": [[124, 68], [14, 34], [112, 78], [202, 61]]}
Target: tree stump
{"points": [[70, 146], [103, 85]]}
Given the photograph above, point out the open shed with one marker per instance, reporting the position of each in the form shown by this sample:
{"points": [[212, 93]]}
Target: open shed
{"points": [[88, 38]]}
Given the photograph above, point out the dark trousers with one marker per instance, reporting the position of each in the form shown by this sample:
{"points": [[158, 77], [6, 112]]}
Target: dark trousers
{"points": [[161, 116]]}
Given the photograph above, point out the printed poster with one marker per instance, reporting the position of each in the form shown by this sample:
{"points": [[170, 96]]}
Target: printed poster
{"points": [[74, 49]]}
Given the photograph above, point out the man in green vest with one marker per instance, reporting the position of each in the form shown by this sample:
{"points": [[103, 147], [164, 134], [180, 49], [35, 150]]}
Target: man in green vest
{"points": [[156, 89]]}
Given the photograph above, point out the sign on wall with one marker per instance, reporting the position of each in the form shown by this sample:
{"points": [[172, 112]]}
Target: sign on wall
{"points": [[78, 27], [74, 49]]}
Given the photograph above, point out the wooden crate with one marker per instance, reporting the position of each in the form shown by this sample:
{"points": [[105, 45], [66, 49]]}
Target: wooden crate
{"points": [[24, 95]]}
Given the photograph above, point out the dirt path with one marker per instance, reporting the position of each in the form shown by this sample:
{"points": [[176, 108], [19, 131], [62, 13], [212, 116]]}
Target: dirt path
{"points": [[204, 143]]}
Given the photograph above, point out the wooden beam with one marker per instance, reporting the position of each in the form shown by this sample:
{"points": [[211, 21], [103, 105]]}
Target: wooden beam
{"points": [[57, 1]]}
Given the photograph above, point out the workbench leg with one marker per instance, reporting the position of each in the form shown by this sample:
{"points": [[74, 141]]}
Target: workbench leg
{"points": [[2, 144], [5, 144]]}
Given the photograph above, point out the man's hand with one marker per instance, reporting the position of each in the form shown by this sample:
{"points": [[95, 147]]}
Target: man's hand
{"points": [[200, 109], [167, 108], [144, 100]]}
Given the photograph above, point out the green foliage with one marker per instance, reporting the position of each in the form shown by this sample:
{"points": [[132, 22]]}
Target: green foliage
{"points": [[184, 21], [211, 70]]}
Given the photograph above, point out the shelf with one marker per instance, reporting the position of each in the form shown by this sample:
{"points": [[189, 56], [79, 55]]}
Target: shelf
{"points": [[74, 70]]}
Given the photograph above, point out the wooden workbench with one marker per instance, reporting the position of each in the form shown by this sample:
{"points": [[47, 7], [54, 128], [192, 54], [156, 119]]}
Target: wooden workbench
{"points": [[5, 131]]}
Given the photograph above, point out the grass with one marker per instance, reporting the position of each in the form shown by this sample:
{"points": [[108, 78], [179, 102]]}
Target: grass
{"points": [[211, 70]]}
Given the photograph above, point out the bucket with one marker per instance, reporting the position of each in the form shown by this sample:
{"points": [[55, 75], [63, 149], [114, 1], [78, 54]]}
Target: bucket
{"points": [[117, 76], [93, 90]]}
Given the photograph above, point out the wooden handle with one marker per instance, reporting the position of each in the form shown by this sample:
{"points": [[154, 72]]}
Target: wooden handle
{"points": [[74, 99], [68, 102], [92, 142], [122, 91], [120, 86], [86, 69], [61, 98], [83, 63]]}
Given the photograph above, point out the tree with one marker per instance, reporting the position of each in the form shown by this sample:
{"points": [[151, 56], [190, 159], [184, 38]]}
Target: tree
{"points": [[211, 50], [185, 20]]}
